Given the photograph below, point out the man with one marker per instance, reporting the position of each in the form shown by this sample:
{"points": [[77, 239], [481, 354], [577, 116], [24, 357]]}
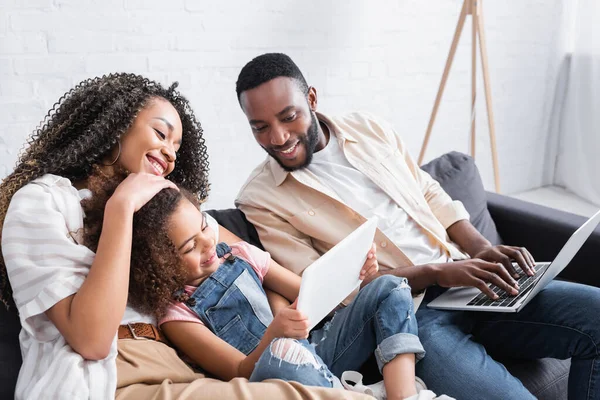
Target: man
{"points": [[326, 175]]}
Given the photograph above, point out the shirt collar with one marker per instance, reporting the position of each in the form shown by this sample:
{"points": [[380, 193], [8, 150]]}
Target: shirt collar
{"points": [[280, 174]]}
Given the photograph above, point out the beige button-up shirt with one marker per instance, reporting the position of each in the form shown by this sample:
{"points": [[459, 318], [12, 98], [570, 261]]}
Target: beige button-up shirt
{"points": [[298, 218]]}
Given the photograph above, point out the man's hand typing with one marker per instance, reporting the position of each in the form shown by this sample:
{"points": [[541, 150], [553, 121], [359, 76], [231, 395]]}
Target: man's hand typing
{"points": [[477, 273]]}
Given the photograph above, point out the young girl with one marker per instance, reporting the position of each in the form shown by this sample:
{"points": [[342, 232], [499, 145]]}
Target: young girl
{"points": [[222, 321]]}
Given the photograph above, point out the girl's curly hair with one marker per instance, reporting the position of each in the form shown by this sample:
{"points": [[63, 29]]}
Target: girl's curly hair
{"points": [[156, 271], [85, 124]]}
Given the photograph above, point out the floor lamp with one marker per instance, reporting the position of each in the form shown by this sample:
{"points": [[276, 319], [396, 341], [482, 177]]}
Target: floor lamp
{"points": [[473, 8]]}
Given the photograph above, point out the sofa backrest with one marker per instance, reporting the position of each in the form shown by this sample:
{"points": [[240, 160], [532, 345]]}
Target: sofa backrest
{"points": [[235, 221], [458, 175]]}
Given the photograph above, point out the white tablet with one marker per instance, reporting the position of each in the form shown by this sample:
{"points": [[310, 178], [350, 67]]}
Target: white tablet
{"points": [[330, 279]]}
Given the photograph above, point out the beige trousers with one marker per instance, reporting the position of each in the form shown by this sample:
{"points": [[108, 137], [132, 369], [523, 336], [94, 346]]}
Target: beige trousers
{"points": [[147, 369]]}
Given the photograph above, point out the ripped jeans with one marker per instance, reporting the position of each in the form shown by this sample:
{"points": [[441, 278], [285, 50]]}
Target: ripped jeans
{"points": [[381, 319]]}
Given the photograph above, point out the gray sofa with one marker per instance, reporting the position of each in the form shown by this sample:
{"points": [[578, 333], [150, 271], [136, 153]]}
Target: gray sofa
{"points": [[501, 219]]}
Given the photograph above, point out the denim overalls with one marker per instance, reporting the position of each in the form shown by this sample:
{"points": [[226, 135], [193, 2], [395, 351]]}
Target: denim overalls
{"points": [[233, 305]]}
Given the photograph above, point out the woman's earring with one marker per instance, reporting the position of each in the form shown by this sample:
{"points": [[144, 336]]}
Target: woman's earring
{"points": [[118, 155]]}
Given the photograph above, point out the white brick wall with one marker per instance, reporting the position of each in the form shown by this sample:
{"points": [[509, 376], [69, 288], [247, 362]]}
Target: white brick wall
{"points": [[386, 57]]}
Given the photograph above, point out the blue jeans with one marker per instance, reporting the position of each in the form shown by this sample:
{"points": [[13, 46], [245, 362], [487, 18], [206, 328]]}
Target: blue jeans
{"points": [[380, 319], [562, 321], [297, 362]]}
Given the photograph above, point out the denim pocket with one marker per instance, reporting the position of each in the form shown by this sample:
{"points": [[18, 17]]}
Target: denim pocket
{"points": [[237, 335], [256, 297]]}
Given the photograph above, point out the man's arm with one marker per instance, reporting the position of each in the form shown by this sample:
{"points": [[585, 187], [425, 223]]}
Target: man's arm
{"points": [[470, 240], [467, 237], [486, 266], [489, 263], [472, 272], [419, 277]]}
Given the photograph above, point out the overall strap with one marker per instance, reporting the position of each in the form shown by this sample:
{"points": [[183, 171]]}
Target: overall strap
{"points": [[223, 249]]}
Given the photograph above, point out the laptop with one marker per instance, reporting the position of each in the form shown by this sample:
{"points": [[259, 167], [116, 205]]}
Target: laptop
{"points": [[471, 299], [334, 276]]}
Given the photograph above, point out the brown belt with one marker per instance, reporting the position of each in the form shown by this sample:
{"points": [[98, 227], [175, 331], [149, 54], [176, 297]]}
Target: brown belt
{"points": [[141, 331]]}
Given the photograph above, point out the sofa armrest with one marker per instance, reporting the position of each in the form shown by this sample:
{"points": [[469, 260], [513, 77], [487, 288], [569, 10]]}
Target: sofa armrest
{"points": [[544, 231]]}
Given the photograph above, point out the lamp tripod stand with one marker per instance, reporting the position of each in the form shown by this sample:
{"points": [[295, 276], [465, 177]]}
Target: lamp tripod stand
{"points": [[473, 8]]}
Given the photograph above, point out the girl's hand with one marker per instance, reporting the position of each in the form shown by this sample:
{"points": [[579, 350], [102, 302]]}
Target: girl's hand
{"points": [[138, 188], [371, 267], [290, 323]]}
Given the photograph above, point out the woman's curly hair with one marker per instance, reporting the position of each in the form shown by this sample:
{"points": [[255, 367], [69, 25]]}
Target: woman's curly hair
{"points": [[156, 272], [85, 124]]}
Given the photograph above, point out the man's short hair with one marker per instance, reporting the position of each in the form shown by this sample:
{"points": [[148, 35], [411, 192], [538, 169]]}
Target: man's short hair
{"points": [[267, 67]]}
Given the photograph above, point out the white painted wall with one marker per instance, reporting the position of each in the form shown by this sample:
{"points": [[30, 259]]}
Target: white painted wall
{"points": [[383, 56]]}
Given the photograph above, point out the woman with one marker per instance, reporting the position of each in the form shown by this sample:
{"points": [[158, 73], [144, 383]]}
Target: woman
{"points": [[72, 301]]}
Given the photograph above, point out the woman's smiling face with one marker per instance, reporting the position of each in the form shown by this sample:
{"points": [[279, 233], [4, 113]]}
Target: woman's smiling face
{"points": [[150, 145]]}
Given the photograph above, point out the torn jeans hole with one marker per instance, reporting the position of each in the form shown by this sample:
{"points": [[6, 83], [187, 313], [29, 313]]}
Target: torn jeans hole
{"points": [[291, 351]]}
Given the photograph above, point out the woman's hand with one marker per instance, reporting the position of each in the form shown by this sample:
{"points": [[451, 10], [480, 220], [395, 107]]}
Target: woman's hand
{"points": [[137, 189], [289, 323]]}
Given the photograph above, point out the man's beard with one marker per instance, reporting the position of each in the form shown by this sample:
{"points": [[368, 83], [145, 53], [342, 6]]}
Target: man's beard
{"points": [[308, 140]]}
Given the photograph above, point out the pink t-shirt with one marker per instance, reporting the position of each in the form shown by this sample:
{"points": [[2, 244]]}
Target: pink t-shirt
{"points": [[258, 259]]}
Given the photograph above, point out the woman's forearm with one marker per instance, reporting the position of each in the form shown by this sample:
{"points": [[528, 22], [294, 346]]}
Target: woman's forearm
{"points": [[91, 318]]}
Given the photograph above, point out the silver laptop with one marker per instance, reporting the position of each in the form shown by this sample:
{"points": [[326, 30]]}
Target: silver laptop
{"points": [[472, 299]]}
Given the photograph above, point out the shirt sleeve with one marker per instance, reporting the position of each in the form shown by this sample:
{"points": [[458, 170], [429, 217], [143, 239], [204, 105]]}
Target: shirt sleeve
{"points": [[277, 235], [258, 259], [446, 210], [43, 261], [178, 311]]}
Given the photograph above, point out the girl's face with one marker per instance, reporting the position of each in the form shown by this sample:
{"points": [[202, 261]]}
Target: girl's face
{"points": [[195, 242], [151, 143]]}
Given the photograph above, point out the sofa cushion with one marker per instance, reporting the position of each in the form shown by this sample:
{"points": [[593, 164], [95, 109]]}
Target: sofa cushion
{"points": [[546, 379], [10, 352], [235, 221], [458, 175]]}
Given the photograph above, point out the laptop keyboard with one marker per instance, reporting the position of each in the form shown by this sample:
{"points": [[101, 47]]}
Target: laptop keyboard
{"points": [[525, 283]]}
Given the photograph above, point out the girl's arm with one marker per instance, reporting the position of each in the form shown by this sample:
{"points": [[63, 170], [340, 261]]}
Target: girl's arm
{"points": [[276, 301], [210, 352], [282, 281], [90, 318], [220, 358]]}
